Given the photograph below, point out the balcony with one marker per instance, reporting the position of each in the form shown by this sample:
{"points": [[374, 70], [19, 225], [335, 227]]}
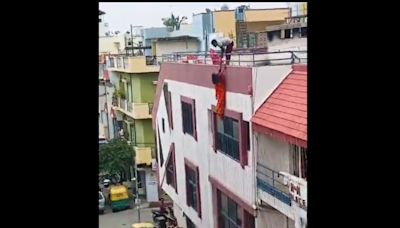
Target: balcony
{"points": [[283, 191], [272, 182], [133, 64], [144, 154], [134, 110]]}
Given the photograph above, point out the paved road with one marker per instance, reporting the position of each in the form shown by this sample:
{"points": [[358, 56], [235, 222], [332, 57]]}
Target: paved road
{"points": [[124, 219]]}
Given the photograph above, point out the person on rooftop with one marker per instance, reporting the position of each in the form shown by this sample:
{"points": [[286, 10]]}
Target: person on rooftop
{"points": [[226, 46]]}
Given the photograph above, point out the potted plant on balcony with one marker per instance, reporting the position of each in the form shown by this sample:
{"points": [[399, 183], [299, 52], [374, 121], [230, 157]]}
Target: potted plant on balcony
{"points": [[118, 95], [121, 93]]}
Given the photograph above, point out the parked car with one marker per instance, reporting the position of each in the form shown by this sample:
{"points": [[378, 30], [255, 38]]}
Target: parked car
{"points": [[102, 140], [101, 203]]}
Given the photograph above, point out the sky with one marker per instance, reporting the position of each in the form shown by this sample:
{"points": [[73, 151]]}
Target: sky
{"points": [[121, 15]]}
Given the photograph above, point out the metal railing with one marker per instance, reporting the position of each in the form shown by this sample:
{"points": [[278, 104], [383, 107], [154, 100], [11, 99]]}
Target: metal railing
{"points": [[271, 182], [241, 57], [123, 104], [111, 63], [119, 62], [125, 62], [152, 60], [129, 107]]}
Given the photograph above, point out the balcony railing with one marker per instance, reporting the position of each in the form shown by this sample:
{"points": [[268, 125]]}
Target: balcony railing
{"points": [[144, 153], [152, 61], [150, 108], [129, 107], [119, 62], [271, 182], [111, 63], [241, 57], [123, 104], [115, 101], [134, 110], [125, 62], [134, 64]]}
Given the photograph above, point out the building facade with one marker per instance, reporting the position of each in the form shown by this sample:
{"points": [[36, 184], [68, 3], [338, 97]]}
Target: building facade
{"points": [[132, 106], [207, 164], [243, 23], [280, 141]]}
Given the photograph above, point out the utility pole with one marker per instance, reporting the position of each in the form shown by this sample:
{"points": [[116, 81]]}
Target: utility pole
{"points": [[132, 39], [106, 109], [137, 192]]}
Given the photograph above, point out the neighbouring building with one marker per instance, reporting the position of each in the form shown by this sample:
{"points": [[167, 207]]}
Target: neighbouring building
{"points": [[207, 165], [243, 23], [280, 143], [131, 111], [163, 41]]}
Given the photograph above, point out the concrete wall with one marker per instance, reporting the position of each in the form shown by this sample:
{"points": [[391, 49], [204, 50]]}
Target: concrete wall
{"points": [[184, 30], [265, 81], [200, 152], [107, 44], [114, 78], [266, 15], [170, 46], [142, 87], [144, 132], [224, 22], [179, 215], [151, 187], [275, 155], [272, 153], [259, 26], [152, 33], [271, 218], [288, 44]]}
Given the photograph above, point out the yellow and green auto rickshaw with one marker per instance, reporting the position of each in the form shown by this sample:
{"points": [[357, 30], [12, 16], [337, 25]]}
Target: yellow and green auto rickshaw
{"points": [[119, 198]]}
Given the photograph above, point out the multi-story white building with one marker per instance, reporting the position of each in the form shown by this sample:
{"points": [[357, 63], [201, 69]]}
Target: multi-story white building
{"points": [[207, 165]]}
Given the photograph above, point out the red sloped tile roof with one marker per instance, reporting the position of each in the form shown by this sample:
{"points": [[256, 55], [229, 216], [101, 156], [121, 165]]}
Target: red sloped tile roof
{"points": [[284, 113]]}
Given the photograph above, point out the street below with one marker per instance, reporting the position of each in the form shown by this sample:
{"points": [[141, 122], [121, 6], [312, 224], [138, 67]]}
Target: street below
{"points": [[125, 218]]}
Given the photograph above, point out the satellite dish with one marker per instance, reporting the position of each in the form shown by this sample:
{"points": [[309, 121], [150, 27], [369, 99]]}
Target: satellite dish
{"points": [[224, 7]]}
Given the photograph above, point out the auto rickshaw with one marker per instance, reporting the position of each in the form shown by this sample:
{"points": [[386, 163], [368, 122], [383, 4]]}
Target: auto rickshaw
{"points": [[119, 198], [143, 225]]}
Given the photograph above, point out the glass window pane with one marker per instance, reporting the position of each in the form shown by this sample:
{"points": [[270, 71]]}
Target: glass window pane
{"points": [[225, 223], [220, 125], [228, 126], [231, 209], [235, 129], [239, 215], [224, 203]]}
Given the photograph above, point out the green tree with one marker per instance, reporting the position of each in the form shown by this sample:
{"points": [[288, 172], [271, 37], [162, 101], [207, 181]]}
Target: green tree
{"points": [[173, 21], [116, 157]]}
